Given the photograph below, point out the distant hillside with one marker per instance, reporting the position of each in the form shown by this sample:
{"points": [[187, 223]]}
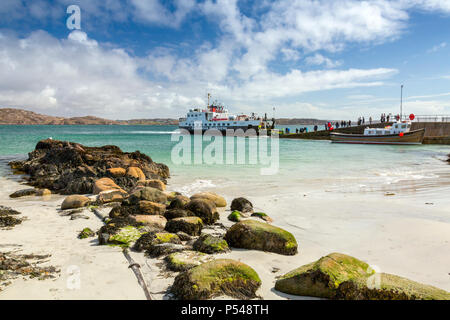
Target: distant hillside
{"points": [[24, 117]]}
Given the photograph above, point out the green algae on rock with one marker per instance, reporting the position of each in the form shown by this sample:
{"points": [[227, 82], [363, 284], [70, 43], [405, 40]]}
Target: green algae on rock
{"points": [[256, 235], [147, 240], [235, 216], [207, 243], [125, 236], [217, 278], [339, 276], [86, 233]]}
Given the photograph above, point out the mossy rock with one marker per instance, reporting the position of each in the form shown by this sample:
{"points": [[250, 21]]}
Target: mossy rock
{"points": [[147, 240], [204, 209], [190, 225], [86, 233], [219, 201], [185, 260], [242, 205], [148, 194], [177, 213], [217, 278], [207, 243], [126, 236], [262, 216], [339, 276], [235, 216], [252, 234], [164, 249], [178, 202]]}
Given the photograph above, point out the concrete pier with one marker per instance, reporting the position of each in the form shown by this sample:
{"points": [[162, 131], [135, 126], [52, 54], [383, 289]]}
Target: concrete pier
{"points": [[435, 132]]}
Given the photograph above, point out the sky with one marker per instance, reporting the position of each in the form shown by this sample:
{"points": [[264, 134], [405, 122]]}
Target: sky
{"points": [[327, 59]]}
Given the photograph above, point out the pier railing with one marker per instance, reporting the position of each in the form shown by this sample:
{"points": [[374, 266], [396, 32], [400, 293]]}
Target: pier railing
{"points": [[431, 118]]}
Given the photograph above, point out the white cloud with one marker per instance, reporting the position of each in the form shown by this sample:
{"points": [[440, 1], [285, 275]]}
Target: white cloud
{"points": [[319, 60], [438, 47], [79, 75]]}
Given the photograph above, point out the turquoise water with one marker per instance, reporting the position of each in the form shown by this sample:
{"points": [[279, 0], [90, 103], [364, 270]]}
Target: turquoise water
{"points": [[302, 163]]}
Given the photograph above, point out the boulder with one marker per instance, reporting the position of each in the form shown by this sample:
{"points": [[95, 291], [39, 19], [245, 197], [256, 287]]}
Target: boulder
{"points": [[43, 192], [235, 216], [222, 277], [136, 172], [149, 207], [172, 195], [185, 260], [125, 236], [154, 221], [23, 193], [339, 276], [148, 194], [177, 213], [184, 236], [179, 202], [124, 211], [207, 243], [219, 201], [75, 201], [158, 250], [105, 184], [252, 234], [204, 209], [154, 183], [117, 172], [262, 216], [242, 205], [111, 196], [190, 225], [147, 240]]}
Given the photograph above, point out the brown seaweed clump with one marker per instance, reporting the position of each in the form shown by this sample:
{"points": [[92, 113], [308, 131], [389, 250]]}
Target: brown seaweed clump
{"points": [[13, 266]]}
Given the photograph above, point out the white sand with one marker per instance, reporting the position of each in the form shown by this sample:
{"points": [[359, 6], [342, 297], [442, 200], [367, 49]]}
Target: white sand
{"points": [[399, 235], [103, 270]]}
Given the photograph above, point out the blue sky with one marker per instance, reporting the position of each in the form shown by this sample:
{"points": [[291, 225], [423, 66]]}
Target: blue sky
{"points": [[148, 58]]}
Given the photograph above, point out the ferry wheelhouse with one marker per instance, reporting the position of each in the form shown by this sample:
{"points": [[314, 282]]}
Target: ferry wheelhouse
{"points": [[398, 133], [215, 116]]}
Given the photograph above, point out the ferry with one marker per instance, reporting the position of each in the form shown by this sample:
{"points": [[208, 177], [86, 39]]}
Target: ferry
{"points": [[215, 116], [398, 133]]}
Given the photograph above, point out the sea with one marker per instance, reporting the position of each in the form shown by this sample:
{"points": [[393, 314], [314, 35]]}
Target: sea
{"points": [[296, 165]]}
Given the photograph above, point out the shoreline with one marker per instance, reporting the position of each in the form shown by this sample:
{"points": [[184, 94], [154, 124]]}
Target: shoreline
{"points": [[403, 236]]}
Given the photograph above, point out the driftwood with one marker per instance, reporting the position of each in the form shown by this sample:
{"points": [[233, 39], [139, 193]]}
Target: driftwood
{"points": [[133, 264], [137, 271]]}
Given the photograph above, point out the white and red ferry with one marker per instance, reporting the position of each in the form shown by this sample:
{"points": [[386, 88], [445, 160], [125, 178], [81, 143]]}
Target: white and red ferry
{"points": [[215, 116]]}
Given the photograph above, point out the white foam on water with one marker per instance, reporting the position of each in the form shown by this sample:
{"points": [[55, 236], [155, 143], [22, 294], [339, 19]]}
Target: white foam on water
{"points": [[155, 132], [197, 186]]}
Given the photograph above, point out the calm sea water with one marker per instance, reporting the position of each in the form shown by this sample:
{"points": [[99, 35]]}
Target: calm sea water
{"points": [[303, 164]]}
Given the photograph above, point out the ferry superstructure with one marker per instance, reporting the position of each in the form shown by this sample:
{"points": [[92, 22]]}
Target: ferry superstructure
{"points": [[215, 116]]}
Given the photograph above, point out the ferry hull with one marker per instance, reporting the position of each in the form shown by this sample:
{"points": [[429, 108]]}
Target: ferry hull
{"points": [[412, 137], [223, 131]]}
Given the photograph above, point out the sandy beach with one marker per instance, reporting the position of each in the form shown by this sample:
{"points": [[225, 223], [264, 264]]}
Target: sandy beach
{"points": [[398, 235]]}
